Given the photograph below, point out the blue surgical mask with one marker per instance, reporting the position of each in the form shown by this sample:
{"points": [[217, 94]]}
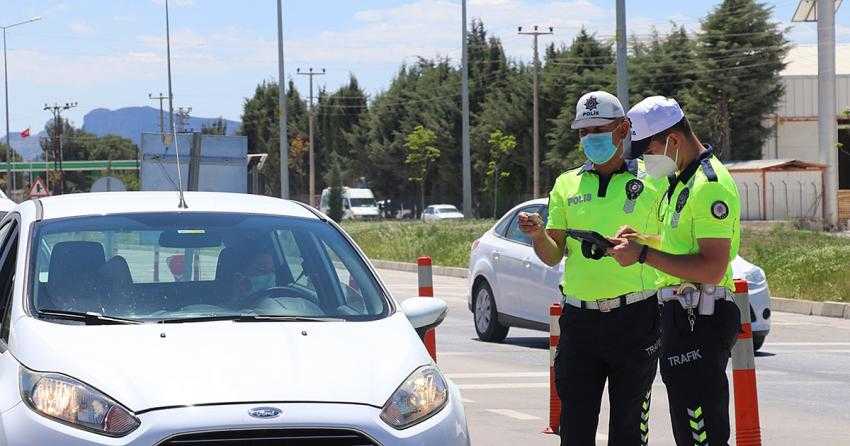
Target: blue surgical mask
{"points": [[599, 147], [263, 282]]}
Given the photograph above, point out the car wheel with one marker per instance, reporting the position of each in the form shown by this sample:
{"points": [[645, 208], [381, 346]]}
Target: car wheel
{"points": [[758, 341], [486, 317]]}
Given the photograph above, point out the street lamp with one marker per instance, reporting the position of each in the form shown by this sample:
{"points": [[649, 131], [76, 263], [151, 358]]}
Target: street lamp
{"points": [[10, 180]]}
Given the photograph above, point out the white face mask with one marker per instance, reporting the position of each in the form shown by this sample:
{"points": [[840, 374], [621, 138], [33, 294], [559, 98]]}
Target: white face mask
{"points": [[660, 166]]}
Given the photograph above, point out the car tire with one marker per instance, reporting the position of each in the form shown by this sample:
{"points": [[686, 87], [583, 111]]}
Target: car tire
{"points": [[758, 341], [485, 316]]}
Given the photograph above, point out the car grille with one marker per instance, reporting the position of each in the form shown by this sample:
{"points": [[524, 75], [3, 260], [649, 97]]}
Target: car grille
{"points": [[273, 437]]}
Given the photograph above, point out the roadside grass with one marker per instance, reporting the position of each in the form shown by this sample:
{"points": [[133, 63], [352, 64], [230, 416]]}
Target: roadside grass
{"points": [[448, 243], [798, 264]]}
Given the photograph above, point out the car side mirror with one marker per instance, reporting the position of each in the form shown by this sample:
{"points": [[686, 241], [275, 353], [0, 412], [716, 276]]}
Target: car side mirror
{"points": [[424, 313]]}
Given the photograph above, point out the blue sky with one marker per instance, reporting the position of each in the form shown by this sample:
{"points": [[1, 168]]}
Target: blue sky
{"points": [[111, 53]]}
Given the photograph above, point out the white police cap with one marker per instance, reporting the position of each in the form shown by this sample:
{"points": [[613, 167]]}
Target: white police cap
{"points": [[650, 117], [597, 108]]}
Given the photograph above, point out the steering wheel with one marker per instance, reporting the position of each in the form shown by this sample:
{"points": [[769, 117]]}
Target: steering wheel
{"points": [[277, 291]]}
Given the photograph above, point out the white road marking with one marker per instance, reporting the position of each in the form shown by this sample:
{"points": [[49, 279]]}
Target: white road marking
{"points": [[466, 400], [808, 344], [499, 375], [495, 386], [513, 414], [601, 437]]}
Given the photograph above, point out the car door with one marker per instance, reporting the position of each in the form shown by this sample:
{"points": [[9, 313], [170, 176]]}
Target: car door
{"points": [[515, 275], [8, 266]]}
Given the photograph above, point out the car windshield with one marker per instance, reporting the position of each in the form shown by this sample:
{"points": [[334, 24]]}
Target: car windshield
{"points": [[447, 210], [362, 202], [167, 266]]}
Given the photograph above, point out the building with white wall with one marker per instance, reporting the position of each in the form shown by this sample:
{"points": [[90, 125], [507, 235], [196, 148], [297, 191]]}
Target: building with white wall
{"points": [[795, 135]]}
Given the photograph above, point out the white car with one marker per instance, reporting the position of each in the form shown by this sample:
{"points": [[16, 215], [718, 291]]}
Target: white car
{"points": [[357, 204], [438, 212], [271, 327], [6, 205], [511, 287]]}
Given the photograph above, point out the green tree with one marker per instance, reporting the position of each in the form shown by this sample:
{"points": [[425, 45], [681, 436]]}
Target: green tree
{"points": [[663, 65], [336, 118], [740, 52], [16, 157], [260, 125], [334, 181], [217, 127], [500, 145], [586, 65], [421, 154]]}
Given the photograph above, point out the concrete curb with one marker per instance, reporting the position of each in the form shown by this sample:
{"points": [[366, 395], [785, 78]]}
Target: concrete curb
{"points": [[412, 268], [797, 306], [811, 308]]}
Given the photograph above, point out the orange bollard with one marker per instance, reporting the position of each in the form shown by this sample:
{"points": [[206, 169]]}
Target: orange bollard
{"points": [[554, 399], [426, 289], [747, 430]]}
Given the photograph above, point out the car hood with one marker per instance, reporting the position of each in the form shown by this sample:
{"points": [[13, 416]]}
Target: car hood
{"points": [[226, 362]]}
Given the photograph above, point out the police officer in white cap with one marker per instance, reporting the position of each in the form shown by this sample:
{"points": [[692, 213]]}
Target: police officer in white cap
{"points": [[700, 234], [610, 321]]}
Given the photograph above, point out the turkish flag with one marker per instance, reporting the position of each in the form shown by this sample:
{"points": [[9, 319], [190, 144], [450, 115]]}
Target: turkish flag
{"points": [[25, 133]]}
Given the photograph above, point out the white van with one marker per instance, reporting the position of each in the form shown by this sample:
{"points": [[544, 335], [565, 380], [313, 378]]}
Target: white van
{"points": [[357, 204]]}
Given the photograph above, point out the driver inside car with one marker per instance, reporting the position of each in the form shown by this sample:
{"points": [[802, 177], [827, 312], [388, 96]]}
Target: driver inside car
{"points": [[258, 274]]}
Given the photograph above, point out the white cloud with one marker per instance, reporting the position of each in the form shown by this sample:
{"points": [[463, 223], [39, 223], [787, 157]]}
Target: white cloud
{"points": [[430, 28], [81, 27]]}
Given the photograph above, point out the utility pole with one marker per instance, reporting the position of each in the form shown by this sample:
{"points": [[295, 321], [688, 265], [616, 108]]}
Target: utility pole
{"points": [[622, 60], [467, 169], [310, 73], [57, 110], [281, 103], [823, 12], [183, 119], [623, 68], [536, 158], [827, 126], [160, 98], [10, 179]]}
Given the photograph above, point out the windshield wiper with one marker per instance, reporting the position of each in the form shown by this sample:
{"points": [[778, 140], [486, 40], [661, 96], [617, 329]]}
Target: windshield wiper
{"points": [[283, 318], [249, 318], [88, 318]]}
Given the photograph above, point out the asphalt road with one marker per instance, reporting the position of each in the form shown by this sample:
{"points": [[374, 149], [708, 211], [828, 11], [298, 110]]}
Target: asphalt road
{"points": [[803, 375]]}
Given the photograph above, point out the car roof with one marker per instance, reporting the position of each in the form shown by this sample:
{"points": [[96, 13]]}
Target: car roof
{"points": [[534, 201], [104, 203]]}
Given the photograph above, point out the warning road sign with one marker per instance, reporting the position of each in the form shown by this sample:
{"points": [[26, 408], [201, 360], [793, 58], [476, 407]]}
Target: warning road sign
{"points": [[38, 190]]}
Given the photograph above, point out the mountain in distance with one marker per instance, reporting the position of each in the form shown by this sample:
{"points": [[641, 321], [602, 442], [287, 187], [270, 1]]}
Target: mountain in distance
{"points": [[131, 122], [29, 148], [128, 122]]}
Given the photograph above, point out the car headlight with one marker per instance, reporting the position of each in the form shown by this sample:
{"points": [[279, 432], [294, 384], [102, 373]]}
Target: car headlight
{"points": [[421, 395], [72, 402]]}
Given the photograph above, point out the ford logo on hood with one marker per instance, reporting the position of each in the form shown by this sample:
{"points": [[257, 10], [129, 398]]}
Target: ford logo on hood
{"points": [[264, 412]]}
